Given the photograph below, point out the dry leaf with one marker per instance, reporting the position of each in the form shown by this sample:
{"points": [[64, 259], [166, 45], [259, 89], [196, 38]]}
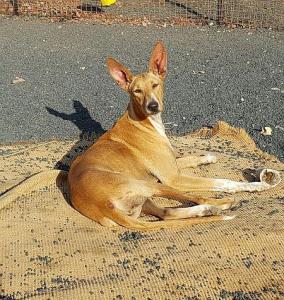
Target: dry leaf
{"points": [[266, 131], [18, 80]]}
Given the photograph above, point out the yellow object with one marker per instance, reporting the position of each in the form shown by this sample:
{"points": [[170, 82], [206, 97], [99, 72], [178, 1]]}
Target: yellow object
{"points": [[107, 2]]}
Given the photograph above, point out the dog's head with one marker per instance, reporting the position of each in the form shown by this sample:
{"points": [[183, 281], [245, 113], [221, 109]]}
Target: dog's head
{"points": [[146, 89]]}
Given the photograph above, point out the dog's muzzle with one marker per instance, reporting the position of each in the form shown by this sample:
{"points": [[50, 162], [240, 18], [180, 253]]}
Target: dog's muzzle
{"points": [[153, 107]]}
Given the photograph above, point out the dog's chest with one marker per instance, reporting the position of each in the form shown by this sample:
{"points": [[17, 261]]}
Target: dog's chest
{"points": [[157, 123]]}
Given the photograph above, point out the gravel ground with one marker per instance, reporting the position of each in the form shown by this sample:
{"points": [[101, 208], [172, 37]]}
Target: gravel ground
{"points": [[214, 74]]}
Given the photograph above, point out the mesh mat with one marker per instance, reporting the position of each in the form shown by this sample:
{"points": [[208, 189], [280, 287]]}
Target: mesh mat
{"points": [[50, 251]]}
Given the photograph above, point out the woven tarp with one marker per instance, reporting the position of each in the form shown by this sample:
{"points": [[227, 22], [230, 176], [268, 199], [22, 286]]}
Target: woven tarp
{"points": [[50, 251]]}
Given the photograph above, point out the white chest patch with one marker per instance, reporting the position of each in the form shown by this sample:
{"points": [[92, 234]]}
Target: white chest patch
{"points": [[157, 122]]}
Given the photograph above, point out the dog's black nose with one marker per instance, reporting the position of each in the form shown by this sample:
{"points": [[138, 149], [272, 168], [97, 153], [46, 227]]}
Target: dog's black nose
{"points": [[153, 106]]}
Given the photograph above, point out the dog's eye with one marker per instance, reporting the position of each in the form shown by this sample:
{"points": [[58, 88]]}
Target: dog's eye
{"points": [[137, 91], [155, 85]]}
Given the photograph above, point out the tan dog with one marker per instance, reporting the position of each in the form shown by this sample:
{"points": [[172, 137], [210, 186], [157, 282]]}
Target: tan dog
{"points": [[113, 180]]}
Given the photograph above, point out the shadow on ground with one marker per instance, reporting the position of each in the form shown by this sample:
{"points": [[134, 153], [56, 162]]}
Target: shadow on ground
{"points": [[90, 131]]}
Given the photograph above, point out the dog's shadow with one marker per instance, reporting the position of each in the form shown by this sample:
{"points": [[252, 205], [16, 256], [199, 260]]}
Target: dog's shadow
{"points": [[89, 128], [90, 131]]}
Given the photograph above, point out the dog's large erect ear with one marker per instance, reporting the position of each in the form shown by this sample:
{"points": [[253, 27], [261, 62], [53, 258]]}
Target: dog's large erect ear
{"points": [[159, 60], [119, 73]]}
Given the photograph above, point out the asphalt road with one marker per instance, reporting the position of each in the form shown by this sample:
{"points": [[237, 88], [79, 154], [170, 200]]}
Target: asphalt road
{"points": [[214, 74]]}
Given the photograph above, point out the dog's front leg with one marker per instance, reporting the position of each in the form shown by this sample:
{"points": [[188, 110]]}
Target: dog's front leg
{"points": [[193, 161], [267, 179]]}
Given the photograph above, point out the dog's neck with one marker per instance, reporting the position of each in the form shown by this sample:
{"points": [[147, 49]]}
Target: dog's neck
{"points": [[153, 121], [157, 122]]}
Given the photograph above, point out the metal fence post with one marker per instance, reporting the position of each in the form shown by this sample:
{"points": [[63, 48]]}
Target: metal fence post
{"points": [[219, 12]]}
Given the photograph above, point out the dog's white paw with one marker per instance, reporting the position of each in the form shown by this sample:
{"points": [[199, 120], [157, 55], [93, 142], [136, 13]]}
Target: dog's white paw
{"points": [[210, 158]]}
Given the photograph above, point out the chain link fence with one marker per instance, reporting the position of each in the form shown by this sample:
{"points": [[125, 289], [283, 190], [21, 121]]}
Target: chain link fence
{"points": [[233, 13]]}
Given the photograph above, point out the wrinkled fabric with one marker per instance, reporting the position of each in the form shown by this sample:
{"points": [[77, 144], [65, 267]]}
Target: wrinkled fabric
{"points": [[48, 250]]}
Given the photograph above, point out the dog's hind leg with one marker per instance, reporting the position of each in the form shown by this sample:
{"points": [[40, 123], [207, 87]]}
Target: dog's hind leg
{"points": [[107, 205], [136, 224], [175, 213], [165, 191]]}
